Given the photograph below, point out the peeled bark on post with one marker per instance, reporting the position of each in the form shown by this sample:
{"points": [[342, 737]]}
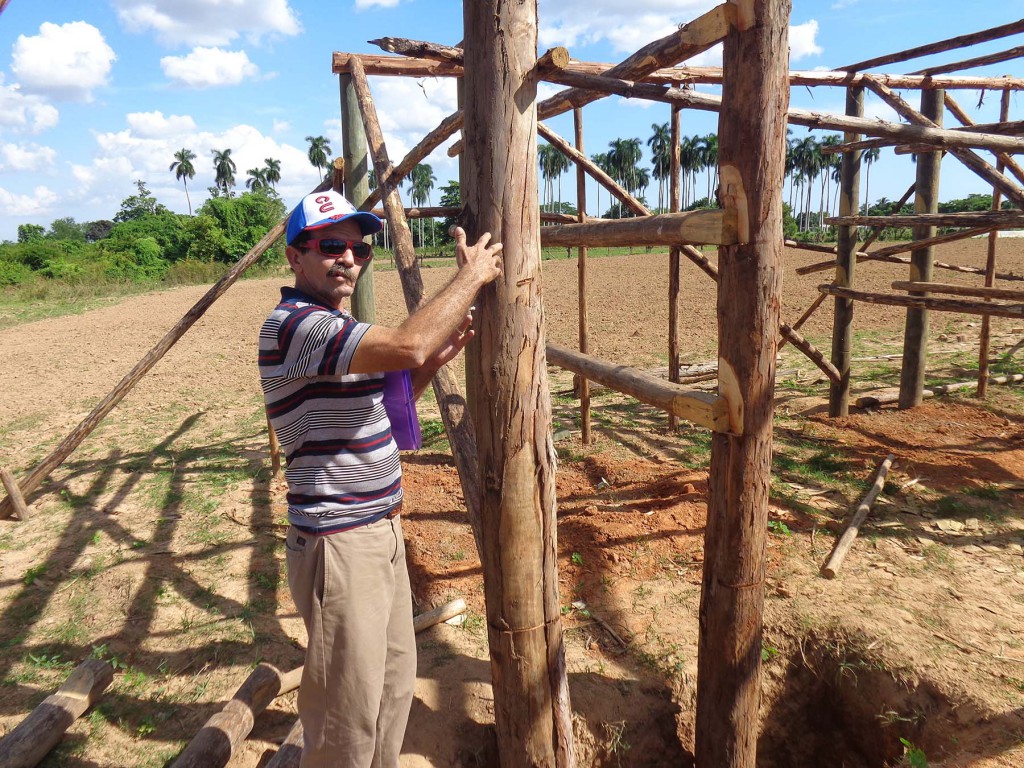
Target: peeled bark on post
{"points": [[915, 335], [450, 399], [581, 277], [846, 261], [357, 189], [513, 409], [30, 741], [752, 131]]}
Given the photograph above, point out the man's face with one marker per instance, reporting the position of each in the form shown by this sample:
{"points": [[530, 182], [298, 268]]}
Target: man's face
{"points": [[331, 279]]}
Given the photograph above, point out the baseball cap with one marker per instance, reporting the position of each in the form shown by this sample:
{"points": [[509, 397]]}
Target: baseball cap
{"points": [[321, 209]]}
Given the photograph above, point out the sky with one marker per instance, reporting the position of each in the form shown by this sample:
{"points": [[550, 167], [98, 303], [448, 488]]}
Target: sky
{"points": [[96, 95]]}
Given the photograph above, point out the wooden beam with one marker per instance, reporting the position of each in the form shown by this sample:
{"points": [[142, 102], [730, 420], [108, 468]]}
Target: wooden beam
{"points": [[813, 354], [702, 226], [956, 289], [394, 66], [418, 49], [975, 219], [940, 265], [949, 237], [977, 61], [751, 155], [1015, 128], [591, 168], [701, 408], [1009, 162], [289, 754], [961, 41], [929, 302], [512, 407], [443, 212], [869, 127], [965, 156], [28, 743], [713, 76]]}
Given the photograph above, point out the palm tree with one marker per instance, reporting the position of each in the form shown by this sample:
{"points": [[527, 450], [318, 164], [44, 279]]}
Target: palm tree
{"points": [[869, 156], [660, 143], [601, 161], [830, 164], [421, 181], [184, 170], [623, 157], [224, 168], [257, 179], [319, 153], [689, 163], [272, 171], [552, 165], [709, 156]]}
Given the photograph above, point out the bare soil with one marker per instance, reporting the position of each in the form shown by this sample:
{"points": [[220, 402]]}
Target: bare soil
{"points": [[158, 544]]}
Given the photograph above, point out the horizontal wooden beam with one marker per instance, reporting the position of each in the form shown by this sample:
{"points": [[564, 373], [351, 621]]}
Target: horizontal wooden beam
{"points": [[977, 61], [713, 227], [978, 291], [419, 49], [713, 76], [443, 212], [928, 302], [1012, 128], [394, 66], [962, 41], [701, 408], [869, 127], [993, 219]]}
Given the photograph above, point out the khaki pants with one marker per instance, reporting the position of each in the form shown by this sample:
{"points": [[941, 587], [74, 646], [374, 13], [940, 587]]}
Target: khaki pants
{"points": [[352, 590]]}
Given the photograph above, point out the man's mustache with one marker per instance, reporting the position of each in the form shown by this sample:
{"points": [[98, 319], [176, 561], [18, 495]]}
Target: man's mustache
{"points": [[340, 269]]}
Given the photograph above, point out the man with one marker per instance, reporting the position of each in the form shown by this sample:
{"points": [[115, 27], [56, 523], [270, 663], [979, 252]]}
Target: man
{"points": [[321, 372]]}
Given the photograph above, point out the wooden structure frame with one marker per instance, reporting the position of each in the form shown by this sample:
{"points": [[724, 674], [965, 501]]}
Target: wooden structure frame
{"points": [[509, 493]]}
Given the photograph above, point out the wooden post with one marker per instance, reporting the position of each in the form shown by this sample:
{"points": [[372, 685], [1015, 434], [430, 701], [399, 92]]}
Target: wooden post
{"points": [[673, 263], [581, 287], [846, 261], [29, 742], [357, 188], [751, 136], [532, 716], [990, 266], [18, 505], [926, 200]]}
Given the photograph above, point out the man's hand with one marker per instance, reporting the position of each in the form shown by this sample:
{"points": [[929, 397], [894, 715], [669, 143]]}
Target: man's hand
{"points": [[482, 259], [455, 343]]}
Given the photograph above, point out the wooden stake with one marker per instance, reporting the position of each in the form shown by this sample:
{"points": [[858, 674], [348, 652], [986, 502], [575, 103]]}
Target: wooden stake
{"points": [[581, 287], [834, 563], [29, 742], [813, 354], [751, 135], [17, 500], [512, 412], [990, 267]]}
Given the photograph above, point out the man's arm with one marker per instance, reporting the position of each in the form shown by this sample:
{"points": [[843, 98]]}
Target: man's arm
{"points": [[458, 340], [423, 338]]}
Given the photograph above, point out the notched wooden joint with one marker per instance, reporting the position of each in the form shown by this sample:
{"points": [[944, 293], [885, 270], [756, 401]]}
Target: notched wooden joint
{"points": [[734, 198], [742, 15], [729, 389]]}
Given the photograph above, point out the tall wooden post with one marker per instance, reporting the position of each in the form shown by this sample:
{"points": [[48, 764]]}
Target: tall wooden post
{"points": [[990, 265], [926, 200], [673, 263], [581, 266], [846, 261], [357, 187], [751, 152], [513, 409]]}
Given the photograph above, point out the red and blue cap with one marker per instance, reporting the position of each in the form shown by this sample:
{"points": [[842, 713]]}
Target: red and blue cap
{"points": [[321, 209]]}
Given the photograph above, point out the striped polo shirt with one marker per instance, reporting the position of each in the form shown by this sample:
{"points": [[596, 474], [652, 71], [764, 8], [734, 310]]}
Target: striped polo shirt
{"points": [[343, 469]]}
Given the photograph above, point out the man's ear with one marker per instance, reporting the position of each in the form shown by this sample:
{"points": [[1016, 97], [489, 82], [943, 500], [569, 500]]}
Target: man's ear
{"points": [[292, 254]]}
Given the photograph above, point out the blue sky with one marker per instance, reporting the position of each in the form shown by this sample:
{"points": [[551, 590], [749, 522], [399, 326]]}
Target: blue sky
{"points": [[94, 95]]}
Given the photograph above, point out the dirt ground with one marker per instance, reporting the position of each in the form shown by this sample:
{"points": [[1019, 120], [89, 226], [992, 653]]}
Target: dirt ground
{"points": [[158, 544]]}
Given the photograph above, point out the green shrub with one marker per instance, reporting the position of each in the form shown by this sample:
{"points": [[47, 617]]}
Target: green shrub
{"points": [[14, 273]]}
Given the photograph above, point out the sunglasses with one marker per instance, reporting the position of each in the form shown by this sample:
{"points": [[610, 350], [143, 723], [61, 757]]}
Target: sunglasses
{"points": [[335, 246]]}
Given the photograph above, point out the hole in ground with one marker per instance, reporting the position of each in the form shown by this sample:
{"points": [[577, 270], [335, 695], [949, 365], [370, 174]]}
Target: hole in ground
{"points": [[834, 702]]}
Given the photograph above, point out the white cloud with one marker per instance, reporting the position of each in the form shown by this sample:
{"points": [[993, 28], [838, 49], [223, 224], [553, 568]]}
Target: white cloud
{"points": [[153, 125], [802, 40], [63, 61], [40, 201], [26, 157], [208, 67], [25, 113], [409, 109], [208, 22], [626, 26], [281, 126], [364, 4]]}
